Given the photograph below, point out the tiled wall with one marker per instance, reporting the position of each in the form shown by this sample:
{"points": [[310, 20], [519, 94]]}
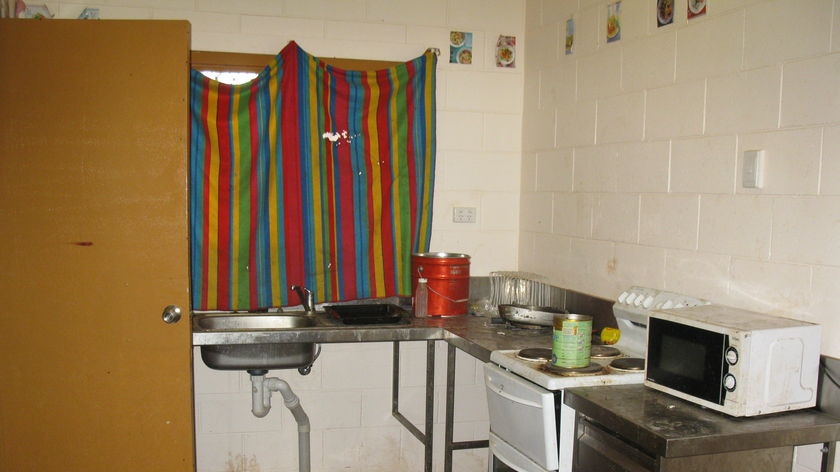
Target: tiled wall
{"points": [[632, 153], [347, 395]]}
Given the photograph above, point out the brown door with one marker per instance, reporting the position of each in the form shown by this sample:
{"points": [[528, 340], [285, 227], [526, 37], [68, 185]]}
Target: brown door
{"points": [[93, 246]]}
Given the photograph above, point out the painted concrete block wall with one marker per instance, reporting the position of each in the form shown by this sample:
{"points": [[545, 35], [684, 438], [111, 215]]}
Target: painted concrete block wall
{"points": [[347, 395], [633, 150]]}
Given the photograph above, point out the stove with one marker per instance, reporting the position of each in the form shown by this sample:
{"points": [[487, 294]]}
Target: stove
{"points": [[530, 427]]}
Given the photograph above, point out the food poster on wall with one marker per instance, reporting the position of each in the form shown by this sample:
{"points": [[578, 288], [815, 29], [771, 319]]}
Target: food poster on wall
{"points": [[696, 8], [613, 22], [506, 51], [570, 36], [460, 47], [664, 12]]}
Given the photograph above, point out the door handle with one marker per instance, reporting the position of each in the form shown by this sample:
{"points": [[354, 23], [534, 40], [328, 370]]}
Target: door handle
{"points": [[171, 314]]}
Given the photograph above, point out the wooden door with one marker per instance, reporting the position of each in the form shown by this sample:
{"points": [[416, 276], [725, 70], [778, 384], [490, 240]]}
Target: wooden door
{"points": [[93, 246]]}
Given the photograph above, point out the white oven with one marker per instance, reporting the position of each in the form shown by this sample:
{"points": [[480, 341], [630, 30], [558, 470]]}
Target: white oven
{"points": [[530, 428]]}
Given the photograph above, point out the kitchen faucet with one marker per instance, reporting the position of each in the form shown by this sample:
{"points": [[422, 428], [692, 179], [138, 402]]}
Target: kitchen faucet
{"points": [[307, 298]]}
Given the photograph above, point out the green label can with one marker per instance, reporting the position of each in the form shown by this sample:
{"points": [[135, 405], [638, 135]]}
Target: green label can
{"points": [[572, 341]]}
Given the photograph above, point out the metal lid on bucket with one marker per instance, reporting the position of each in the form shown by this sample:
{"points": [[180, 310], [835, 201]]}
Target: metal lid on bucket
{"points": [[441, 255]]}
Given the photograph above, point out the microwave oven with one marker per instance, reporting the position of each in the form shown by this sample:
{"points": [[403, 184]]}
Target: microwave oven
{"points": [[738, 362]]}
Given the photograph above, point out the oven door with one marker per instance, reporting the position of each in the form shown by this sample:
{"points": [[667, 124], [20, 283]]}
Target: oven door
{"points": [[523, 421]]}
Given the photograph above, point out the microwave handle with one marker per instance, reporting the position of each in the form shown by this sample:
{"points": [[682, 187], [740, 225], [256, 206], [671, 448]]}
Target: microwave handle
{"points": [[515, 399]]}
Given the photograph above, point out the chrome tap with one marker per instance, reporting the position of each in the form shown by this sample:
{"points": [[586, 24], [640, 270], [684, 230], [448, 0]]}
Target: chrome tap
{"points": [[307, 298]]}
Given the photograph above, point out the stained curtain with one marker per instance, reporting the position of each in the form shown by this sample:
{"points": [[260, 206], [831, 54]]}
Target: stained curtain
{"points": [[310, 175]]}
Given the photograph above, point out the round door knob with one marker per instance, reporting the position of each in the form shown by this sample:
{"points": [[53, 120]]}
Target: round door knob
{"points": [[171, 314], [729, 382]]}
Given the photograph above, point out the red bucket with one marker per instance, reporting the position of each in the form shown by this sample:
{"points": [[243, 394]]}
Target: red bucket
{"points": [[448, 278]]}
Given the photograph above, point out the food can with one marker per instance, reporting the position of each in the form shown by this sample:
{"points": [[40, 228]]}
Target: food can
{"points": [[572, 340]]}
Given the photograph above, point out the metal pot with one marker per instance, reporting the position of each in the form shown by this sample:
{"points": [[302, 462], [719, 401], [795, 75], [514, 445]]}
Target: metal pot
{"points": [[532, 315]]}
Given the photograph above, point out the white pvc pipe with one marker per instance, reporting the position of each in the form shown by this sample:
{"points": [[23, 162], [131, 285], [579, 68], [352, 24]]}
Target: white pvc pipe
{"points": [[261, 389]]}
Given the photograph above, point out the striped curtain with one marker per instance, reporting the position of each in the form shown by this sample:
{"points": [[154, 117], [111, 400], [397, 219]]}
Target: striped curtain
{"points": [[310, 175]]}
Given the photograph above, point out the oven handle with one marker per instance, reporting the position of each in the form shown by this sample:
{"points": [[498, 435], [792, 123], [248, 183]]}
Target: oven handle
{"points": [[512, 398]]}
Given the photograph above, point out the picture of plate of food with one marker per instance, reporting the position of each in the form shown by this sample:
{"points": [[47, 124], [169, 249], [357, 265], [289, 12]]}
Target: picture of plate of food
{"points": [[613, 27], [696, 6], [665, 11], [505, 55], [457, 38], [465, 56]]}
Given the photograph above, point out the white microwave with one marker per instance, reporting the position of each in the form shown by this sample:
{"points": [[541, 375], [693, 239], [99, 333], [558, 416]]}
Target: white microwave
{"points": [[734, 361]]}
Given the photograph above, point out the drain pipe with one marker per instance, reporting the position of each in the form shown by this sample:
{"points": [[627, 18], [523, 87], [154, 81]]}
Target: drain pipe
{"points": [[261, 389]]}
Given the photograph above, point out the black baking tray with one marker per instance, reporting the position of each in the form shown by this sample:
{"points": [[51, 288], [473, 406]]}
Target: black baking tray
{"points": [[367, 314]]}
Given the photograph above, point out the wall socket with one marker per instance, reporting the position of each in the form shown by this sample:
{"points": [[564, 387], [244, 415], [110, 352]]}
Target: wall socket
{"points": [[463, 215]]}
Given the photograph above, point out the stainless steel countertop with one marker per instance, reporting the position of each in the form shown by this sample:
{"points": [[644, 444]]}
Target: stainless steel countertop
{"points": [[667, 426], [474, 335]]}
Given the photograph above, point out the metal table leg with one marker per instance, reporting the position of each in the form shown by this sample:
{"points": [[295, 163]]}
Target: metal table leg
{"points": [[449, 445], [427, 436]]}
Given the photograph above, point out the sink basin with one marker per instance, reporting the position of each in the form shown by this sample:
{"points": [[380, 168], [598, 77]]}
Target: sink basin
{"points": [[256, 356]]}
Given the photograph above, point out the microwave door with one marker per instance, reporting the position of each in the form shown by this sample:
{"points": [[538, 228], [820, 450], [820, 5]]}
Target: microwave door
{"points": [[687, 359]]}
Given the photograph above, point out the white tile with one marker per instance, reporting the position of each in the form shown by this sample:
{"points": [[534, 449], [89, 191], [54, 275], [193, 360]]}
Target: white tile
{"points": [[474, 91], [710, 48], [546, 257], [246, 7], [774, 31], [591, 266], [736, 225], [342, 372], [621, 118], [546, 54], [791, 161], [776, 289], [744, 102], [345, 10], [640, 265], [589, 30], [207, 380], [642, 167], [675, 111], [576, 124], [536, 212], [558, 84], [367, 448], [497, 210], [376, 407], [487, 14], [287, 27], [635, 15], [615, 217], [810, 93], [703, 165], [357, 31], [217, 451], [554, 170], [596, 169], [573, 214], [272, 450], [528, 176], [669, 221], [331, 408], [502, 132], [480, 171], [231, 413], [824, 306], [538, 129], [460, 130], [806, 230], [554, 12], [649, 62], [430, 12], [599, 75], [698, 274], [830, 162], [202, 21]]}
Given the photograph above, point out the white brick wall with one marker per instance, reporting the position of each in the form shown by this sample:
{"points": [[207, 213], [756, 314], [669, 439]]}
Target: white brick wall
{"points": [[655, 189]]}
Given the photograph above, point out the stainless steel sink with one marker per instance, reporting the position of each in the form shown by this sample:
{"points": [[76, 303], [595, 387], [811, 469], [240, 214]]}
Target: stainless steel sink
{"points": [[256, 356]]}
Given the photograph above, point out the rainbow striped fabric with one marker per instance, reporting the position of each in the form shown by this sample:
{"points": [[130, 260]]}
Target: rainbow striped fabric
{"points": [[310, 175]]}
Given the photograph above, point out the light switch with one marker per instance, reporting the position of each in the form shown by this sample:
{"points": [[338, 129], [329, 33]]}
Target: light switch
{"points": [[752, 175]]}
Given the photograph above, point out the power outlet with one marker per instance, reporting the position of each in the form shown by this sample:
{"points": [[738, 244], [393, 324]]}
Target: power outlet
{"points": [[463, 215]]}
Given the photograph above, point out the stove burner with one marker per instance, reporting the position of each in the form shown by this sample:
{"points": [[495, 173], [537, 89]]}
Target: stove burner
{"points": [[628, 364], [538, 354], [592, 369], [599, 351]]}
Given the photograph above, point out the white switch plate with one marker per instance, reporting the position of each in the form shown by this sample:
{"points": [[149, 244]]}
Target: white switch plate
{"points": [[753, 170], [463, 215]]}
